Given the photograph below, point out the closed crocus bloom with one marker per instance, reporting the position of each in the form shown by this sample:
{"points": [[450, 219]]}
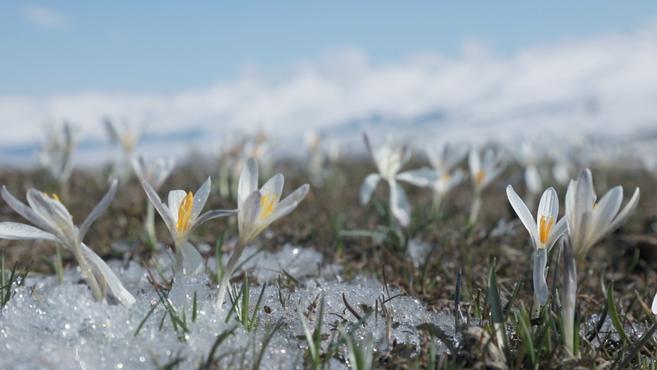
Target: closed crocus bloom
{"points": [[182, 214], [543, 233], [389, 160], [54, 223], [590, 220]]}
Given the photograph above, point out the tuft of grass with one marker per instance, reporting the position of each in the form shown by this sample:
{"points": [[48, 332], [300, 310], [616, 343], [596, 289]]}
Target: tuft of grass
{"points": [[9, 280], [313, 338], [359, 353], [211, 362], [240, 305]]}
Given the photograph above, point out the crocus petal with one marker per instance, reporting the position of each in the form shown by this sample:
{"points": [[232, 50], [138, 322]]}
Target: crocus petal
{"points": [[368, 187], [533, 179], [559, 229], [419, 177], [139, 167], [368, 145], [98, 209], [435, 158], [548, 206], [52, 211], [18, 231], [161, 208], [604, 212], [540, 284], [453, 155], [201, 197], [654, 305], [626, 212], [523, 213], [112, 130], [579, 239], [273, 187], [289, 203], [248, 214], [399, 205], [102, 270], [211, 215], [492, 174], [584, 192], [23, 210], [174, 199], [474, 162], [405, 155], [571, 215], [192, 259], [456, 178], [248, 182]]}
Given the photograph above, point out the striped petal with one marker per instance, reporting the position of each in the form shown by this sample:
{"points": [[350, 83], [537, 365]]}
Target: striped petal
{"points": [[18, 231]]}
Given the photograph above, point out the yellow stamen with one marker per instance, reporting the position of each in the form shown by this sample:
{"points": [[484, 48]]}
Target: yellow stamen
{"points": [[128, 141], [55, 197], [445, 177], [267, 205], [479, 177], [544, 227], [185, 212]]}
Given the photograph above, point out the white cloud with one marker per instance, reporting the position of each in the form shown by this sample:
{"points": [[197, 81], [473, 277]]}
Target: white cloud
{"points": [[605, 84], [44, 17]]}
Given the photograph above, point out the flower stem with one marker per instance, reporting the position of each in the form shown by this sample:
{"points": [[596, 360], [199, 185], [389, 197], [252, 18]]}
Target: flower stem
{"points": [[475, 208], [570, 295], [149, 226], [59, 266], [87, 273], [228, 272], [437, 202]]}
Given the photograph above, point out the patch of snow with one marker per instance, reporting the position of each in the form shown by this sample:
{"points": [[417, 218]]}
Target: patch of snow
{"points": [[52, 325]]}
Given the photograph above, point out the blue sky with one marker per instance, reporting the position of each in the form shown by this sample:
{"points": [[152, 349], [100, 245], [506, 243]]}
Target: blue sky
{"points": [[164, 46]]}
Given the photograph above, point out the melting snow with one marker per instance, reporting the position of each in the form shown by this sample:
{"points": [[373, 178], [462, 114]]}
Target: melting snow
{"points": [[52, 325]]}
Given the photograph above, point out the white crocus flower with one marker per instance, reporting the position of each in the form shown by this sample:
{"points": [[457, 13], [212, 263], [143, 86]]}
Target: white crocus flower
{"points": [[54, 223], [543, 233], [447, 181], [57, 152], [588, 222], [258, 208], [445, 158], [483, 170], [123, 134], [654, 305], [529, 157], [153, 172], [389, 160], [444, 161], [182, 214]]}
